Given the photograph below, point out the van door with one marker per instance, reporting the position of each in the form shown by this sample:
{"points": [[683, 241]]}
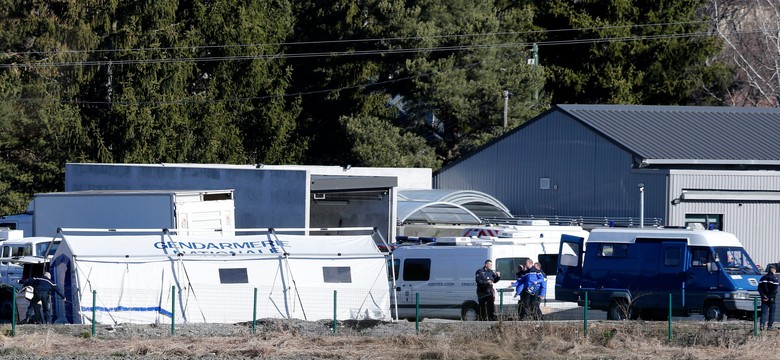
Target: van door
{"points": [[672, 266], [700, 280], [569, 272], [415, 274]]}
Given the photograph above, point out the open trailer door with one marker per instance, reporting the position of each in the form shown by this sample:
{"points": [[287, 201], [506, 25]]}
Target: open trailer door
{"points": [[569, 272]]}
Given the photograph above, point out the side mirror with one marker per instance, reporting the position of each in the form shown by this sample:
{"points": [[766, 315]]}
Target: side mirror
{"points": [[712, 266]]}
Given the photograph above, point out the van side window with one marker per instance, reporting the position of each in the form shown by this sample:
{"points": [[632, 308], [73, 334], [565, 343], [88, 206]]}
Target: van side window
{"points": [[613, 250], [549, 263], [570, 253], [672, 257], [508, 266], [700, 257], [417, 269]]}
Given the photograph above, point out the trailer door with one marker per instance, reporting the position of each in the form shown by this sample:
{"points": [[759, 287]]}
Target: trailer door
{"points": [[569, 273]]}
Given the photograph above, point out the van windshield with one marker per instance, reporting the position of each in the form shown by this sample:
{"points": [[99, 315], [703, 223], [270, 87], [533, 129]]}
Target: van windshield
{"points": [[41, 248], [735, 260]]}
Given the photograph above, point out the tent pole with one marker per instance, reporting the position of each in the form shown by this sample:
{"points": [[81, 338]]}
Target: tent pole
{"points": [[392, 268]]}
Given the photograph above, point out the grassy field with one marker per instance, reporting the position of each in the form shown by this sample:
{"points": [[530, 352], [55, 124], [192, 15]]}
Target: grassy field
{"points": [[501, 340]]}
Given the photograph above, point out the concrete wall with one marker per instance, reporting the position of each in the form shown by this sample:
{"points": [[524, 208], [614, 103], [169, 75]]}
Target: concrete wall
{"points": [[263, 198]]}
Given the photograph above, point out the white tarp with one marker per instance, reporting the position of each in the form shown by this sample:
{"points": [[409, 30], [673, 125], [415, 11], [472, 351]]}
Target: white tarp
{"points": [[215, 279]]}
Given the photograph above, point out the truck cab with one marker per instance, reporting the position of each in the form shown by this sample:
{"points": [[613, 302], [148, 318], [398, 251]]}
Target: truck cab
{"points": [[35, 247], [633, 273]]}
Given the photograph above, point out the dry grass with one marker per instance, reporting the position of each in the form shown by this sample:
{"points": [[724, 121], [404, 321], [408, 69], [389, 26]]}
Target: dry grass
{"points": [[506, 340]]}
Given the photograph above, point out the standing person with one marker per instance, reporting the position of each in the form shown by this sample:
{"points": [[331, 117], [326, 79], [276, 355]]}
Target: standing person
{"points": [[42, 288], [485, 278], [767, 288], [534, 290]]}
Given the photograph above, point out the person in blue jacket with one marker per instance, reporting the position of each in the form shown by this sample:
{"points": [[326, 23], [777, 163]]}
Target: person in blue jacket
{"points": [[42, 290], [534, 288], [767, 288]]}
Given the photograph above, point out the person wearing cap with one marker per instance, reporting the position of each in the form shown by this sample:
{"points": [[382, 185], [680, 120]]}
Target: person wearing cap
{"points": [[42, 288], [767, 288]]}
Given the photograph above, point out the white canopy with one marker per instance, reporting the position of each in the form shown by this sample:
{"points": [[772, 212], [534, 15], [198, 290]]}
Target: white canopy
{"points": [[213, 279]]}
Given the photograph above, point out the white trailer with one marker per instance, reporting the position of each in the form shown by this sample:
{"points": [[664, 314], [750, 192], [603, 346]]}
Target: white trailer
{"points": [[125, 209]]}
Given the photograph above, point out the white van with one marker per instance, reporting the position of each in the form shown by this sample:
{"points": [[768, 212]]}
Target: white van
{"points": [[11, 272], [443, 271]]}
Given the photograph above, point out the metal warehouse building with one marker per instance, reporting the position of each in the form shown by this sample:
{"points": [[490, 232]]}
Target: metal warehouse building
{"points": [[717, 166]]}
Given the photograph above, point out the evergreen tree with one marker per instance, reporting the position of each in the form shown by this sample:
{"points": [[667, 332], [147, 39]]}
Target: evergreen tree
{"points": [[449, 61], [626, 52]]}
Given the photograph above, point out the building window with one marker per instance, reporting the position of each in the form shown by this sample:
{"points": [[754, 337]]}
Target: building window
{"points": [[337, 274], [544, 183], [708, 221], [233, 276]]}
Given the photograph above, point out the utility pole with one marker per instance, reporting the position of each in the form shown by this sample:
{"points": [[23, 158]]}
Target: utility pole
{"points": [[506, 109], [535, 51]]}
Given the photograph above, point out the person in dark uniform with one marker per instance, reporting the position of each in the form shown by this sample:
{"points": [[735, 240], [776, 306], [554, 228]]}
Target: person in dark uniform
{"points": [[485, 278], [42, 288], [767, 288]]}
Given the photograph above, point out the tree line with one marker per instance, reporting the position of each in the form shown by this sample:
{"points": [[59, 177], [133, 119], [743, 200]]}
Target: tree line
{"points": [[413, 83]]}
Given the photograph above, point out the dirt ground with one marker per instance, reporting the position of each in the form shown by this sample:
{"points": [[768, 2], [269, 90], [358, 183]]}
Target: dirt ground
{"points": [[294, 339]]}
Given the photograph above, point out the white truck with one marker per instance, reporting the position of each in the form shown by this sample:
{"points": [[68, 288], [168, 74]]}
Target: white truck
{"points": [[125, 209], [443, 271]]}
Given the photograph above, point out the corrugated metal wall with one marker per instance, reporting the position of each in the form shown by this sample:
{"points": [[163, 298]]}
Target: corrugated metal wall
{"points": [[588, 175], [756, 224]]}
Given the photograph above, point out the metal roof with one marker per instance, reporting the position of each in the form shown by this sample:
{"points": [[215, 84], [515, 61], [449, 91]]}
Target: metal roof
{"points": [[674, 135], [446, 206]]}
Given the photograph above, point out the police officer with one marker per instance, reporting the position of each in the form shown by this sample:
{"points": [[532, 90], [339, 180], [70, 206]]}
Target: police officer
{"points": [[485, 278], [534, 286], [767, 288]]}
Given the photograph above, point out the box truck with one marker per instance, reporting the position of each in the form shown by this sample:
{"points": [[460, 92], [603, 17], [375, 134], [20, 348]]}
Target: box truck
{"points": [[125, 209], [635, 273], [442, 271]]}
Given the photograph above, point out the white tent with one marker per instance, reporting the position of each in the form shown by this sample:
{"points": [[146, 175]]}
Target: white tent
{"points": [[219, 279]]}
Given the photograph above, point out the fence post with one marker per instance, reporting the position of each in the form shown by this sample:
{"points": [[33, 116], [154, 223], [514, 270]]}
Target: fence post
{"points": [[94, 310], [173, 310], [585, 321], [670, 317], [254, 314], [417, 312], [501, 302], [335, 324], [755, 316], [13, 313]]}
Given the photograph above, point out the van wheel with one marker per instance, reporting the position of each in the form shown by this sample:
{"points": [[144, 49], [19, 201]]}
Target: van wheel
{"points": [[6, 309], [618, 310], [470, 312], [714, 311]]}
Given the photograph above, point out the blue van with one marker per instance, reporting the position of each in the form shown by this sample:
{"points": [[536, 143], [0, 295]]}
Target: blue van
{"points": [[630, 273]]}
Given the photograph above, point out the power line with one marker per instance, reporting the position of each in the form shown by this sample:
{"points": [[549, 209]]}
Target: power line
{"points": [[348, 41], [352, 52]]}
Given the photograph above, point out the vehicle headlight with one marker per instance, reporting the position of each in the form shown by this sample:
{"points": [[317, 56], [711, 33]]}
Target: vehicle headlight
{"points": [[739, 295]]}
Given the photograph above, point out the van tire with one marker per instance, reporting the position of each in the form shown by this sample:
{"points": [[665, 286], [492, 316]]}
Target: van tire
{"points": [[6, 309], [618, 310], [469, 312], [714, 310]]}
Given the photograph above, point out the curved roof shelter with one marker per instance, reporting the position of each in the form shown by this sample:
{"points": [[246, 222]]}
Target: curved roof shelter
{"points": [[448, 206]]}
